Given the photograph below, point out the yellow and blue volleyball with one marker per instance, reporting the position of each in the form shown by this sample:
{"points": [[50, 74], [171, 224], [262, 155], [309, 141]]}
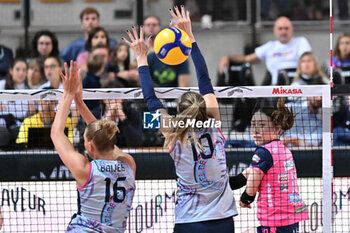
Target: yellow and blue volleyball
{"points": [[172, 46]]}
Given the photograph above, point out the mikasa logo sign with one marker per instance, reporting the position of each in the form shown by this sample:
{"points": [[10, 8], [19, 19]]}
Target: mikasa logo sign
{"points": [[282, 90]]}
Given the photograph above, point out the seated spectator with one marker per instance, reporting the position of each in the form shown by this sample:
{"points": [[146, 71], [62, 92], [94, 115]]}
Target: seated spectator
{"points": [[279, 54], [309, 71], [341, 125], [125, 74], [52, 69], [103, 51], [16, 80], [13, 112], [341, 56], [44, 118], [6, 58], [128, 120], [36, 75], [92, 80], [45, 44], [96, 36], [89, 18], [307, 128]]}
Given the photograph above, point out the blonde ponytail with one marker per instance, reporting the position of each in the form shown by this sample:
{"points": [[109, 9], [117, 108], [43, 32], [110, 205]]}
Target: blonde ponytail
{"points": [[102, 133]]}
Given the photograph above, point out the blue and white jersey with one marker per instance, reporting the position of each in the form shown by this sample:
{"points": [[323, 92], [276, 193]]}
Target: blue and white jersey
{"points": [[104, 202], [203, 190]]}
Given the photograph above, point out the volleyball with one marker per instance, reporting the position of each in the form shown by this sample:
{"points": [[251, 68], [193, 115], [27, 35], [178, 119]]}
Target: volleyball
{"points": [[172, 46]]}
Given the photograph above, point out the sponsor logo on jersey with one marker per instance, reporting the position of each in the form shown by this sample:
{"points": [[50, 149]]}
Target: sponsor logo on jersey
{"points": [[256, 158], [282, 177], [288, 165], [294, 197], [301, 209], [284, 187]]}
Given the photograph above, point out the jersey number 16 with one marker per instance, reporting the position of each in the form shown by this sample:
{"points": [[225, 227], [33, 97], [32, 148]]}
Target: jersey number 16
{"points": [[116, 190]]}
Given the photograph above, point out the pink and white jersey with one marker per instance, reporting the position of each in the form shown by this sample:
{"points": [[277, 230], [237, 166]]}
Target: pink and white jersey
{"points": [[279, 202]]}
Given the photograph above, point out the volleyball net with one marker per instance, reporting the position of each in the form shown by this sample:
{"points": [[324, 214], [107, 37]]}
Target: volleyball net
{"points": [[38, 193]]}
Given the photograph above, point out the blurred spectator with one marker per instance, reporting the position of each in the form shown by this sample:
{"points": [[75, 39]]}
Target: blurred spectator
{"points": [[125, 73], [341, 125], [106, 76], [96, 36], [52, 69], [128, 121], [341, 60], [36, 75], [307, 128], [44, 118], [16, 79], [89, 18], [92, 80], [314, 9], [151, 24], [280, 54], [164, 75], [309, 71], [6, 58], [13, 112], [284, 7], [45, 44], [341, 56]]}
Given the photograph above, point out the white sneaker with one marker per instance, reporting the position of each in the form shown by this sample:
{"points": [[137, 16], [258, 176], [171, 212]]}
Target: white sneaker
{"points": [[206, 22]]}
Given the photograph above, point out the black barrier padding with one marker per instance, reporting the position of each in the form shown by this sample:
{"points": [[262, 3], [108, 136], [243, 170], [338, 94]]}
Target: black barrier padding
{"points": [[33, 166]]}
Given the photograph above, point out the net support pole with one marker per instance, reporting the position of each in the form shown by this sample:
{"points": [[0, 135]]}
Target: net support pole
{"points": [[327, 165]]}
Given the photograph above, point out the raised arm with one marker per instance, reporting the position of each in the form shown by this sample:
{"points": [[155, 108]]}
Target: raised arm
{"points": [[78, 165], [140, 49], [183, 21], [78, 98]]}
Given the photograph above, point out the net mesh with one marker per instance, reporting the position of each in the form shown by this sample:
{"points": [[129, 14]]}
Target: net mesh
{"points": [[38, 193]]}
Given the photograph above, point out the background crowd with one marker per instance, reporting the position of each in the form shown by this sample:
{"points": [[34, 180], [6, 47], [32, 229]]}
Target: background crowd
{"points": [[109, 63]]}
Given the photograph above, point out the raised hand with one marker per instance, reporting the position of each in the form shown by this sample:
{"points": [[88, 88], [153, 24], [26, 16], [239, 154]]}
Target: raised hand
{"points": [[79, 89], [182, 21], [138, 45], [70, 79]]}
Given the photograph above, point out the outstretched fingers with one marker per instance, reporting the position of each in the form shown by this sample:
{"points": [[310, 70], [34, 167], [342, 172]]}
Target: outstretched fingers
{"points": [[178, 12], [79, 75], [149, 41], [71, 69], [65, 68], [135, 33], [63, 77], [172, 13], [132, 39], [183, 12], [141, 32], [126, 41]]}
